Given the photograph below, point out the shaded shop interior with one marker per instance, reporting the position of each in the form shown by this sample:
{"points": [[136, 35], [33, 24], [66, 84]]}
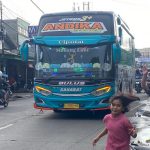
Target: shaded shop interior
{"points": [[16, 70]]}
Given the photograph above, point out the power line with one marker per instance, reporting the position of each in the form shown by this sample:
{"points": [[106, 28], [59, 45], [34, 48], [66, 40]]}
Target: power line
{"points": [[7, 17], [2, 27], [7, 12], [14, 13], [37, 7]]}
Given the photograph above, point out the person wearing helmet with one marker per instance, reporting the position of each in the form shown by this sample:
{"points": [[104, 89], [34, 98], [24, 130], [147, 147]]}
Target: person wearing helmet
{"points": [[3, 86], [1, 74]]}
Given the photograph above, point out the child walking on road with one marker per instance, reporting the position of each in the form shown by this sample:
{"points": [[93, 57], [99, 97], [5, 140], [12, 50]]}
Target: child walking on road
{"points": [[117, 125]]}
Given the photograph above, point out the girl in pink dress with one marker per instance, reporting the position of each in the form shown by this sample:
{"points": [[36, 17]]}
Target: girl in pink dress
{"points": [[117, 126]]}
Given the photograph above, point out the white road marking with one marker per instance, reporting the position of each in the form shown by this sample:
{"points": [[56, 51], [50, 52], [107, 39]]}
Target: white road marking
{"points": [[1, 128]]}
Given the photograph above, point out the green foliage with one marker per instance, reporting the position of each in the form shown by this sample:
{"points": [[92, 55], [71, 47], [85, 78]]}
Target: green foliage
{"points": [[137, 53]]}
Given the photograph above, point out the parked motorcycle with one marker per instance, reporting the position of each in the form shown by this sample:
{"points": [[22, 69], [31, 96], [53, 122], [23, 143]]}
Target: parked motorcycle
{"points": [[138, 87], [29, 86], [4, 99], [5, 95], [9, 88]]}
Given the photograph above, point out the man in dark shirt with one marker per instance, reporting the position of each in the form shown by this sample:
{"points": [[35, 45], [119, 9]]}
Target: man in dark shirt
{"points": [[3, 86]]}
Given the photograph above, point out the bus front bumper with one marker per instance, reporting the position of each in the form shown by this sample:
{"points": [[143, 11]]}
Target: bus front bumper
{"points": [[71, 108]]}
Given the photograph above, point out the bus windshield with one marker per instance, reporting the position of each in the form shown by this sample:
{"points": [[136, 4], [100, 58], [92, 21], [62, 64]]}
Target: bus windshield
{"points": [[90, 62]]}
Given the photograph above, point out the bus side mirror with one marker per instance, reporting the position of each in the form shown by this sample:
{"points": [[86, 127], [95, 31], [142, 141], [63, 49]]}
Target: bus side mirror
{"points": [[24, 50], [116, 53], [120, 32], [120, 35], [118, 21]]}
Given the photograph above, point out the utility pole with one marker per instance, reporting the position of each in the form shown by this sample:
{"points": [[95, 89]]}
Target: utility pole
{"points": [[37, 7], [3, 66], [1, 31]]}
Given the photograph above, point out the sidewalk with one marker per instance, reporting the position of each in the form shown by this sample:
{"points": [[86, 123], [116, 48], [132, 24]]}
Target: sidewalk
{"points": [[16, 96]]}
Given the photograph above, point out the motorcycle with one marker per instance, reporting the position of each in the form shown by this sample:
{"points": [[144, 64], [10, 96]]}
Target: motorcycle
{"points": [[29, 86], [5, 95], [138, 86], [9, 88], [138, 147]]}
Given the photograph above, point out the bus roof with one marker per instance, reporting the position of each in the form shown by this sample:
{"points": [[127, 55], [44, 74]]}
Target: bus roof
{"points": [[78, 12], [55, 17], [77, 23]]}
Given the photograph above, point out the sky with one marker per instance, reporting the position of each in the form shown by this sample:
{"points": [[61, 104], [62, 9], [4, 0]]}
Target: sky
{"points": [[136, 13]]}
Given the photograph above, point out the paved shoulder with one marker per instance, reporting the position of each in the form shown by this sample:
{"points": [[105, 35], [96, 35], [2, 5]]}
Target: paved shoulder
{"points": [[16, 96]]}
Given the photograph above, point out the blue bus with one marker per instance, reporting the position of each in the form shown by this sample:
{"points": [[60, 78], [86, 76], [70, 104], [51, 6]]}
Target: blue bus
{"points": [[81, 60]]}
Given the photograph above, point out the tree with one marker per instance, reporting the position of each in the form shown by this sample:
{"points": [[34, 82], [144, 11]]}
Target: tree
{"points": [[137, 53]]}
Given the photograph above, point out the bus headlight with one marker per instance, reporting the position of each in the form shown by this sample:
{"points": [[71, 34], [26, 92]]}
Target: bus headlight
{"points": [[101, 91], [43, 91]]}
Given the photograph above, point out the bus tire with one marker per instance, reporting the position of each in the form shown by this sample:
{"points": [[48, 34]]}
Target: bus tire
{"points": [[57, 111]]}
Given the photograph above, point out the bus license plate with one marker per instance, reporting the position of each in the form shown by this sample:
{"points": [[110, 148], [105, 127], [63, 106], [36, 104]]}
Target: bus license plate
{"points": [[71, 106]]}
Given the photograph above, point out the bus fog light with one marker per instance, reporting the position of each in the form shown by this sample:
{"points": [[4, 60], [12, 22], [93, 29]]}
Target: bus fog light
{"points": [[101, 91], [43, 91]]}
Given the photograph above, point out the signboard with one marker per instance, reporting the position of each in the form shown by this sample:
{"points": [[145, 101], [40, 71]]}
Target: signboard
{"points": [[32, 31], [72, 24], [146, 59]]}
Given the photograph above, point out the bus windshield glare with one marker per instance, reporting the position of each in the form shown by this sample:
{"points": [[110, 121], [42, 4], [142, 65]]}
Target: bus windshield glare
{"points": [[91, 62]]}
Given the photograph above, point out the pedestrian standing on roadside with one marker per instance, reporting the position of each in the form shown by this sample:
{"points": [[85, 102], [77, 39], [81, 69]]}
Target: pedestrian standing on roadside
{"points": [[117, 125], [144, 80]]}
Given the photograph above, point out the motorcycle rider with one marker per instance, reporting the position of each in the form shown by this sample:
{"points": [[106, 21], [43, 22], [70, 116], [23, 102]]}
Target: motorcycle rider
{"points": [[144, 81], [138, 77], [3, 86], [138, 74]]}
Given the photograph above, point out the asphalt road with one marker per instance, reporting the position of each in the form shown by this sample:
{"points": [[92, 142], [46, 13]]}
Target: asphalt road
{"points": [[24, 128]]}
